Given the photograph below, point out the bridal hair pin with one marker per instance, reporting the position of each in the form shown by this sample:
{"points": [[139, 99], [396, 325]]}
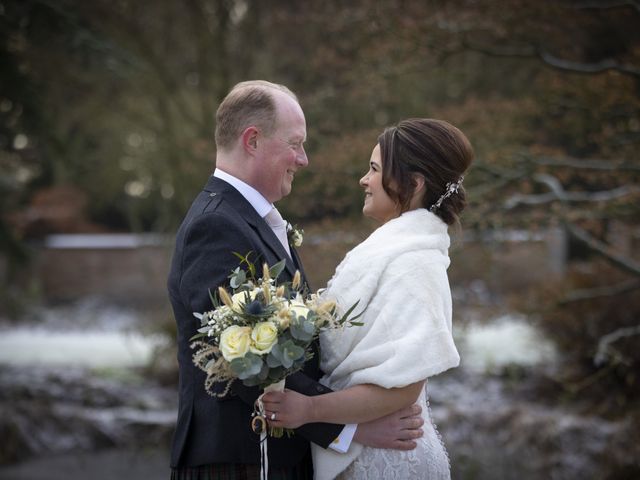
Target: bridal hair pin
{"points": [[450, 189]]}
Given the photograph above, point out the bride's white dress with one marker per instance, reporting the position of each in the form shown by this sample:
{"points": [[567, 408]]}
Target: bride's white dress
{"points": [[399, 277], [428, 461]]}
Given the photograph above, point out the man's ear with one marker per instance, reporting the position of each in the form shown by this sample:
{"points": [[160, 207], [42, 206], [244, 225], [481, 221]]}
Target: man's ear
{"points": [[250, 139]]}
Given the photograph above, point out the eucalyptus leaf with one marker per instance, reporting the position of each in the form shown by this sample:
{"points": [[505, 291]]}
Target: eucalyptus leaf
{"points": [[276, 373], [303, 330], [274, 359], [277, 269], [285, 337], [237, 278], [252, 381], [287, 362], [246, 366], [290, 353], [264, 372], [285, 356], [295, 352]]}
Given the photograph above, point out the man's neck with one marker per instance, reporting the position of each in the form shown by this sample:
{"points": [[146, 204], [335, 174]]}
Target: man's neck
{"points": [[253, 196], [233, 168]]}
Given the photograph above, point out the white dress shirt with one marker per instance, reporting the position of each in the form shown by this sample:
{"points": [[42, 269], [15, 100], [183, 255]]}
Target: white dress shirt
{"points": [[262, 206], [254, 197]]}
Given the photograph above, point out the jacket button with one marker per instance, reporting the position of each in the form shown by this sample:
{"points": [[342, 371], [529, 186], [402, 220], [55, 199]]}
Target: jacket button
{"points": [[212, 194], [320, 389]]}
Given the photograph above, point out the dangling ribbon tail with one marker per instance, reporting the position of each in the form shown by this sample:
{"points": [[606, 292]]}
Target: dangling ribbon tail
{"points": [[264, 454]]}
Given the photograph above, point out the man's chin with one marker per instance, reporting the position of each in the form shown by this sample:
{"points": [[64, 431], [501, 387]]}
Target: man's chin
{"points": [[286, 190]]}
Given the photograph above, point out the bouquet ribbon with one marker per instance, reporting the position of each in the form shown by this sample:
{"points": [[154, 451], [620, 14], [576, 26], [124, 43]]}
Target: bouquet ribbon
{"points": [[264, 454]]}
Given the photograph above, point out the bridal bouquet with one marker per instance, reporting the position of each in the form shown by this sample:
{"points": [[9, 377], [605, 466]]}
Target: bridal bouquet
{"points": [[261, 331]]}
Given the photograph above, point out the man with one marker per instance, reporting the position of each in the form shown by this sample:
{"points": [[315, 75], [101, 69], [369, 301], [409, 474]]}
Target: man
{"points": [[260, 134]]}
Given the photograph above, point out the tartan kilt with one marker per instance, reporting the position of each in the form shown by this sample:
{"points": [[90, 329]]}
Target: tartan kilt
{"points": [[238, 471]]}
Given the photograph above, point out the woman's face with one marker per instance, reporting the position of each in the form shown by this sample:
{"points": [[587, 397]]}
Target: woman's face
{"points": [[377, 204]]}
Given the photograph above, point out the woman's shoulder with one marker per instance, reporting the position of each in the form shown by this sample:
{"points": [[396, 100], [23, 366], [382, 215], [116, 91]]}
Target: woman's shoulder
{"points": [[417, 263]]}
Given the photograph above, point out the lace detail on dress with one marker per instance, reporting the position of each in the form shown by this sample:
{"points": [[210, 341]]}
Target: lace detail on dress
{"points": [[429, 460], [435, 427]]}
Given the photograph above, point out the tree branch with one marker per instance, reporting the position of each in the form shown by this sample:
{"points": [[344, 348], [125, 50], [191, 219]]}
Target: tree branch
{"points": [[559, 193], [594, 67], [525, 51], [531, 51], [586, 164], [599, 5], [623, 262], [146, 54], [599, 292], [606, 350]]}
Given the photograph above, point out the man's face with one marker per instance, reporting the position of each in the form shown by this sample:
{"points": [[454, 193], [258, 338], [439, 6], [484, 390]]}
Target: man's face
{"points": [[282, 153]]}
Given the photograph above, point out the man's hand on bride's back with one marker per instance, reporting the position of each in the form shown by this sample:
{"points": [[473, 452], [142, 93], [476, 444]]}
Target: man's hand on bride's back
{"points": [[397, 431]]}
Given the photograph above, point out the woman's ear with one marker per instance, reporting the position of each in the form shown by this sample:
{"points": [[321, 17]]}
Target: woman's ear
{"points": [[418, 182], [418, 192]]}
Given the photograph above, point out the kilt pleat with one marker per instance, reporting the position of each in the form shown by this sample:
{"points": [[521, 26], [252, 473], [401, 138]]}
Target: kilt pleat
{"points": [[235, 471]]}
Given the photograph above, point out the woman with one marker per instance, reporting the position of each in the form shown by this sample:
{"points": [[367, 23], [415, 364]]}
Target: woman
{"points": [[414, 188]]}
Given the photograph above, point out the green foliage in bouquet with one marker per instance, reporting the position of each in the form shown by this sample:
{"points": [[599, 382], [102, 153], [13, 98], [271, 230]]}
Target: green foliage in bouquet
{"points": [[262, 331]]}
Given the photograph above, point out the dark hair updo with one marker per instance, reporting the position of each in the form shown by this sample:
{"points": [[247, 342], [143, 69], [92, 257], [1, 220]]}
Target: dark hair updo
{"points": [[433, 149]]}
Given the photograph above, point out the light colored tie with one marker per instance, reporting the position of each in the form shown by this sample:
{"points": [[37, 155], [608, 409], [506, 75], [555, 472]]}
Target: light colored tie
{"points": [[279, 227]]}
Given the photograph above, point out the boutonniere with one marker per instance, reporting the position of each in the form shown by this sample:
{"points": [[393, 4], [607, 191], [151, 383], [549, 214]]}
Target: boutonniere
{"points": [[295, 235]]}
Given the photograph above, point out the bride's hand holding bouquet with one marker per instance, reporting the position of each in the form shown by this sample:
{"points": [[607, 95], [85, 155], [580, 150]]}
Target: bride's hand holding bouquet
{"points": [[261, 332]]}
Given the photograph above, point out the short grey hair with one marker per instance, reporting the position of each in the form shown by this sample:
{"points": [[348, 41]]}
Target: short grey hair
{"points": [[248, 103]]}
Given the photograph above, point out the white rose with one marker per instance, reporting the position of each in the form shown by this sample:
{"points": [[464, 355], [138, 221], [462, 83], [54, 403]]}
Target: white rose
{"points": [[297, 239], [298, 309], [263, 337], [235, 342], [239, 299]]}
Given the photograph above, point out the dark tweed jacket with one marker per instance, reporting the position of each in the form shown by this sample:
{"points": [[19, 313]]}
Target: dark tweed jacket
{"points": [[211, 430]]}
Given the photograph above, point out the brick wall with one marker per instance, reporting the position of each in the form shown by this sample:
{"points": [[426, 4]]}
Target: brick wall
{"points": [[123, 268]]}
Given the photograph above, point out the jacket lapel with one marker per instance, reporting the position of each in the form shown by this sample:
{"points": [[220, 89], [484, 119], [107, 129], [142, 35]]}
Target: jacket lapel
{"points": [[298, 263], [248, 213], [270, 239]]}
